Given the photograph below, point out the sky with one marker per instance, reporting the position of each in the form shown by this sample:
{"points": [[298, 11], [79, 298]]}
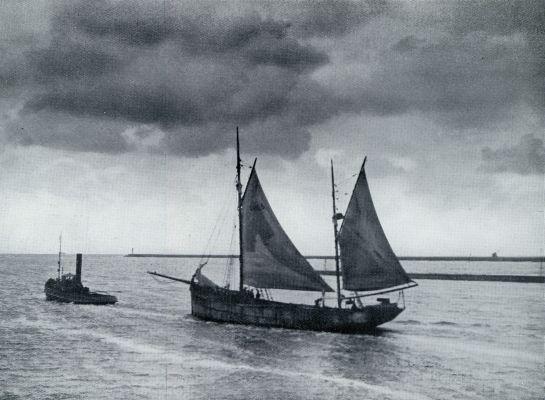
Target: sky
{"points": [[118, 121]]}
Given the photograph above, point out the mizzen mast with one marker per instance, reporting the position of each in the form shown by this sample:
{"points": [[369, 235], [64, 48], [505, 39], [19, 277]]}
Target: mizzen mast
{"points": [[336, 216], [239, 192]]}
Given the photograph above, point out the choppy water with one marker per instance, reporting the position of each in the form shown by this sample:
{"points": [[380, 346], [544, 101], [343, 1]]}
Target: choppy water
{"points": [[456, 340]]}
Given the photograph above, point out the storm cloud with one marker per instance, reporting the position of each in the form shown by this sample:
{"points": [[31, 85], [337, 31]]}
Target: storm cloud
{"points": [[466, 65], [190, 75], [194, 71], [323, 18]]}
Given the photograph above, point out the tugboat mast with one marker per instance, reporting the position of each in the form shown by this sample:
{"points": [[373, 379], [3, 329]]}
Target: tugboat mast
{"points": [[335, 230], [239, 192], [59, 269]]}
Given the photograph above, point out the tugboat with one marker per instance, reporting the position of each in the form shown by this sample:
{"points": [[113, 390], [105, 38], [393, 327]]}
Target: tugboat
{"points": [[67, 288]]}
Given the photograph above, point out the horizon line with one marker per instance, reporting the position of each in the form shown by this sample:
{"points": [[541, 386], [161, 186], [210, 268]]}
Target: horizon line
{"points": [[311, 257], [330, 257]]}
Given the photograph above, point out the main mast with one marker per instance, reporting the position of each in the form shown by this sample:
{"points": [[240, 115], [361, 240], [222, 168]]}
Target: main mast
{"points": [[239, 192], [335, 230]]}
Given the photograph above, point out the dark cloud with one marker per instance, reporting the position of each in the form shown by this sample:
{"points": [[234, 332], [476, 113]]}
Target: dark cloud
{"points": [[472, 81], [191, 71], [190, 97], [499, 17], [323, 18], [65, 59], [136, 63], [135, 23], [13, 67], [274, 136], [257, 40], [289, 54], [525, 18], [10, 74], [525, 158], [64, 131], [464, 76], [408, 43], [137, 103]]}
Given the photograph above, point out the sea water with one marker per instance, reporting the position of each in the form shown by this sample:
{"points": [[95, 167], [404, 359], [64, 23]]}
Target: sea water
{"points": [[455, 340]]}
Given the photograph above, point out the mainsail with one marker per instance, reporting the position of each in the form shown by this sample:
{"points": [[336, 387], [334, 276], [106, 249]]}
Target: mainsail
{"points": [[368, 261], [269, 257]]}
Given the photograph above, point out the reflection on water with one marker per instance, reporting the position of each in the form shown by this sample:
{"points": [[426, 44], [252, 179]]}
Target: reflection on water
{"points": [[476, 340]]}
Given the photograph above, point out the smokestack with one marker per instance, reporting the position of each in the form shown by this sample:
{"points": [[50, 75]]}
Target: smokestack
{"points": [[78, 267]]}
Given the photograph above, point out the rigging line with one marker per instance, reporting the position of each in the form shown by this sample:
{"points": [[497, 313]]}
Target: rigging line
{"points": [[221, 214], [219, 217], [217, 233], [222, 223], [228, 270], [228, 273], [346, 179], [230, 261]]}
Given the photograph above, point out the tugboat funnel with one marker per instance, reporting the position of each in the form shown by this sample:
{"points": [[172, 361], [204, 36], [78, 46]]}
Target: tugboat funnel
{"points": [[78, 267]]}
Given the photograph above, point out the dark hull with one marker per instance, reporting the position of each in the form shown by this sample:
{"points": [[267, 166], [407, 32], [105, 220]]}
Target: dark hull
{"points": [[222, 305], [61, 296]]}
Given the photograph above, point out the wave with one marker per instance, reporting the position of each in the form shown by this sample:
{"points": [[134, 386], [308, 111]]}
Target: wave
{"points": [[435, 344], [129, 311], [480, 325], [336, 380], [445, 323], [9, 396], [67, 330], [409, 322]]}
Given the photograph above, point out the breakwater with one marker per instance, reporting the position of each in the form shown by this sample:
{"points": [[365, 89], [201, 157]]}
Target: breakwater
{"points": [[406, 258], [417, 276], [470, 277]]}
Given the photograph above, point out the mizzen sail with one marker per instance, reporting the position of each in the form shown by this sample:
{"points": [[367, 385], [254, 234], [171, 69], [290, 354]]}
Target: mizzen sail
{"points": [[270, 259], [368, 261]]}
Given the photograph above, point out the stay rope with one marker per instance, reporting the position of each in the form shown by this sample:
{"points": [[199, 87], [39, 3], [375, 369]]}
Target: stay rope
{"points": [[216, 230], [228, 272]]}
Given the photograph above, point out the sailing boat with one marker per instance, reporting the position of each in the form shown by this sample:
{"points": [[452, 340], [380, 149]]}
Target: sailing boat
{"points": [[269, 260]]}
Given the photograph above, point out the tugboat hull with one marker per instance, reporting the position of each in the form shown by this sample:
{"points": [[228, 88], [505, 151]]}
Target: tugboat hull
{"points": [[60, 296], [222, 305]]}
